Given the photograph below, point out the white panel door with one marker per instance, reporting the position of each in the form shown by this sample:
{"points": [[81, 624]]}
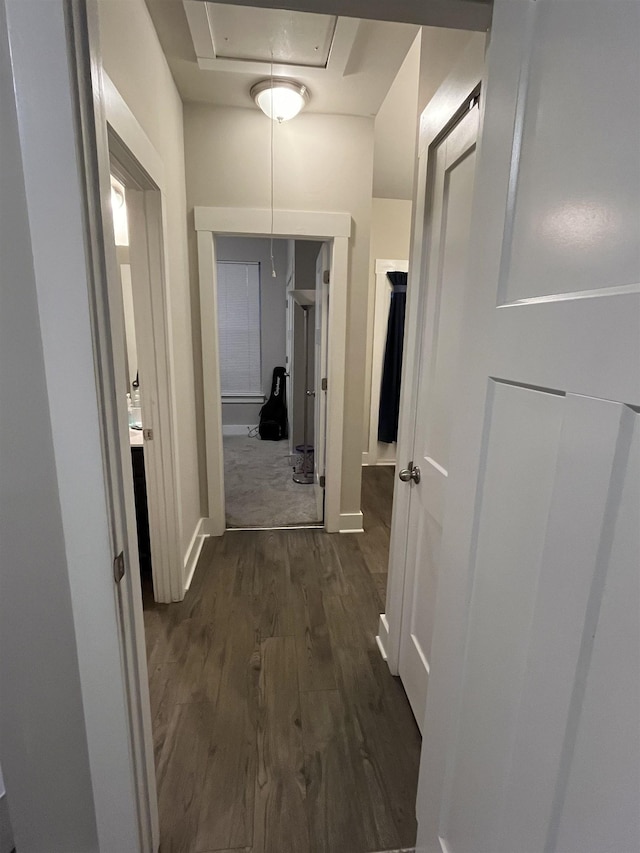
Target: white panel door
{"points": [[321, 356], [531, 731], [290, 317], [449, 218]]}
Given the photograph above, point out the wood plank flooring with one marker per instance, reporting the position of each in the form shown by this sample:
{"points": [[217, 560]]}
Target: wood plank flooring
{"points": [[277, 726]]}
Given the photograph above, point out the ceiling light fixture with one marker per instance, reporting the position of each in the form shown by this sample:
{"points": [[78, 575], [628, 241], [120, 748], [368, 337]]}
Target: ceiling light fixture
{"points": [[280, 99]]}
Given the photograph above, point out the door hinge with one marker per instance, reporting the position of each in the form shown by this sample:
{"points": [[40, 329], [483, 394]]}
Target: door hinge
{"points": [[323, 383], [118, 567], [325, 277], [322, 481], [147, 434]]}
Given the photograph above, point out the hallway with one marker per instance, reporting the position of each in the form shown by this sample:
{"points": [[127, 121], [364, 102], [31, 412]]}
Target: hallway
{"points": [[277, 726]]}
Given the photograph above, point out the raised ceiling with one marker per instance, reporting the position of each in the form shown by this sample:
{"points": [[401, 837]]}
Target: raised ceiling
{"points": [[217, 51]]}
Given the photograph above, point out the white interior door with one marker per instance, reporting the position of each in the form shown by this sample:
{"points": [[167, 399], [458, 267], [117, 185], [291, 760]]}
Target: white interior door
{"points": [[321, 344], [449, 215], [290, 317], [531, 735]]}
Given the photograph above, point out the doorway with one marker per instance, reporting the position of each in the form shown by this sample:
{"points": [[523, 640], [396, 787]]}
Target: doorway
{"points": [[330, 231], [138, 234], [266, 295]]}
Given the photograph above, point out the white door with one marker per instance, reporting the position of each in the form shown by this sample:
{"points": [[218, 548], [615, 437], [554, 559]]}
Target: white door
{"points": [[531, 734], [452, 166], [290, 318], [321, 339]]}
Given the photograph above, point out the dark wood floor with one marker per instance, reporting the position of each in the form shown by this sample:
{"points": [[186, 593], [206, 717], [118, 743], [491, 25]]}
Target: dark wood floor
{"points": [[277, 726]]}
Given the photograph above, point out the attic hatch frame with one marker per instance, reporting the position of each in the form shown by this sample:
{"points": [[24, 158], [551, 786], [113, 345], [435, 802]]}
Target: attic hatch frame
{"points": [[333, 228]]}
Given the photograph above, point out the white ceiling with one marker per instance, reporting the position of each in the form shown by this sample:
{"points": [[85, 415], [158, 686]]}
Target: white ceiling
{"points": [[216, 52]]}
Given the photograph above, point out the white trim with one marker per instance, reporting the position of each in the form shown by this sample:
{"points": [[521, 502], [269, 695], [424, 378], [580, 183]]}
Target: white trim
{"points": [[243, 398], [383, 654], [130, 131], [193, 552], [365, 459], [62, 120], [324, 226], [291, 224], [382, 637], [237, 429], [165, 500], [383, 266], [351, 522], [210, 367]]}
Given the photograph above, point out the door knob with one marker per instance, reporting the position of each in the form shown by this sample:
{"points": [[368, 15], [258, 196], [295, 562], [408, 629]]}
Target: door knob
{"points": [[410, 473]]}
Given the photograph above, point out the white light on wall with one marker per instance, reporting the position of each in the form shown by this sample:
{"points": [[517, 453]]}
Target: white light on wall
{"points": [[280, 99], [119, 208]]}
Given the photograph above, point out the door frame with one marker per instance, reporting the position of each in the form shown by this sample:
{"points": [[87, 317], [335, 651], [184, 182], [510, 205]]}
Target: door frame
{"points": [[138, 166], [438, 117], [334, 228], [87, 81]]}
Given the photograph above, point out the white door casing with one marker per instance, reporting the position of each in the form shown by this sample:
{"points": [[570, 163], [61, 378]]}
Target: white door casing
{"points": [[447, 243], [531, 729], [290, 325], [288, 224], [321, 315], [143, 172]]}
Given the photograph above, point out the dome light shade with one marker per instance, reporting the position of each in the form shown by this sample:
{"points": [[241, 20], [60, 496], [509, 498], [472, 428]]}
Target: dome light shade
{"points": [[280, 99]]}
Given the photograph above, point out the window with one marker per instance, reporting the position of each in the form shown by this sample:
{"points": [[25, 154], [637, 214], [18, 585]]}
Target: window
{"points": [[239, 329]]}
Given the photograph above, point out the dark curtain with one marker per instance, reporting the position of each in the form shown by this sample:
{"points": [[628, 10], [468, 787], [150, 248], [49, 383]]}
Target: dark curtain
{"points": [[392, 369]]}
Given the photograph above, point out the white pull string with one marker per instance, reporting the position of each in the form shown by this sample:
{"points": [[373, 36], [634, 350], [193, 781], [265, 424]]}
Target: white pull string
{"points": [[273, 264]]}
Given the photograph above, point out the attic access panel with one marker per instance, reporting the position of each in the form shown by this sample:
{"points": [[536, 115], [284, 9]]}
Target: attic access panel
{"points": [[240, 38], [249, 34]]}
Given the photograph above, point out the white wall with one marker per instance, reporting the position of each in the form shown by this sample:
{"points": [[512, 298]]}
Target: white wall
{"points": [[322, 162], [396, 131], [440, 50], [273, 340], [134, 61]]}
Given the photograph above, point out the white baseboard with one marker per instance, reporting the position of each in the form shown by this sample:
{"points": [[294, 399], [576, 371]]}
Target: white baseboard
{"points": [[193, 552], [236, 429], [369, 460], [382, 638], [6, 837], [383, 654], [208, 527], [351, 522]]}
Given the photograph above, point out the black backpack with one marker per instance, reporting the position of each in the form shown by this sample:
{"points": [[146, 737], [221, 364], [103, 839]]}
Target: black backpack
{"points": [[274, 424]]}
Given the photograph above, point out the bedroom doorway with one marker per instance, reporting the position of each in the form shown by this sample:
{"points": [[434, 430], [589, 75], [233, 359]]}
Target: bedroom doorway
{"points": [[270, 338]]}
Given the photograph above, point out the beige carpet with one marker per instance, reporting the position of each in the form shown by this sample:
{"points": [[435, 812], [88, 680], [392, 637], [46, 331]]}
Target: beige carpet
{"points": [[259, 491]]}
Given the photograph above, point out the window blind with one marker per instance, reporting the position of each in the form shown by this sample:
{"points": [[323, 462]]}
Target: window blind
{"points": [[239, 328]]}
